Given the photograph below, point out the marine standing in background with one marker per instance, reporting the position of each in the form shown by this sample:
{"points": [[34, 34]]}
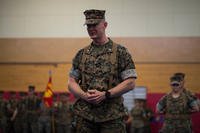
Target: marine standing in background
{"points": [[44, 120], [32, 106], [19, 113], [187, 91], [176, 107], [63, 115], [101, 73], [7, 111], [140, 117], [10, 108]]}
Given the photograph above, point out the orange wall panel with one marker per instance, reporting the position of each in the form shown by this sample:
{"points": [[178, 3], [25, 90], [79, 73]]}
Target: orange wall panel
{"points": [[25, 61], [154, 76]]}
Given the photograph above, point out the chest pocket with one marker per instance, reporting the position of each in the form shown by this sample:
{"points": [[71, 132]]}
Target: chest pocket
{"points": [[103, 65], [98, 66], [177, 105]]}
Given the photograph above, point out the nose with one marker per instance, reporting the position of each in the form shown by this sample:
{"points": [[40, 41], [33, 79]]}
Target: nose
{"points": [[89, 26]]}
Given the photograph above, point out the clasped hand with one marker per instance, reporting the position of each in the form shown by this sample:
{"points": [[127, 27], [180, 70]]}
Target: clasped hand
{"points": [[95, 96]]}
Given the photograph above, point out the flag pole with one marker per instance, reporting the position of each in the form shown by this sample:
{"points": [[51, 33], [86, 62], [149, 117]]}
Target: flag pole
{"points": [[50, 73], [52, 116]]}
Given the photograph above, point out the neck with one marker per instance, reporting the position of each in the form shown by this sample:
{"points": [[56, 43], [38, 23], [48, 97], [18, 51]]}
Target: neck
{"points": [[176, 93], [100, 41]]}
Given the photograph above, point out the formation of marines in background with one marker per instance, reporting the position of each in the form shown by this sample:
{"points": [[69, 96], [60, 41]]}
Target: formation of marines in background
{"points": [[29, 114]]}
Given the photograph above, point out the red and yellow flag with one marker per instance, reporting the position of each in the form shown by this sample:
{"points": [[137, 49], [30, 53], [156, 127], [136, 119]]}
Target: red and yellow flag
{"points": [[48, 94]]}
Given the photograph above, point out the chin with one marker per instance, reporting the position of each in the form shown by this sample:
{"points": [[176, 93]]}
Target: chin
{"points": [[176, 91], [93, 37]]}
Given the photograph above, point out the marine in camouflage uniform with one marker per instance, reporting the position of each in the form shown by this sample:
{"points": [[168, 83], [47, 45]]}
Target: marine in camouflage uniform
{"points": [[63, 115], [187, 92], [8, 110], [44, 120], [191, 95], [19, 114], [3, 118], [176, 108], [32, 106], [100, 74], [140, 117]]}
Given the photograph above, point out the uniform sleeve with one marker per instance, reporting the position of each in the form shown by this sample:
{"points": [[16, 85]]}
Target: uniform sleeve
{"points": [[192, 99], [162, 103], [75, 70], [126, 64]]}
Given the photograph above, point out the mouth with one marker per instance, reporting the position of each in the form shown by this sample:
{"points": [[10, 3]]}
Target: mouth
{"points": [[92, 33]]}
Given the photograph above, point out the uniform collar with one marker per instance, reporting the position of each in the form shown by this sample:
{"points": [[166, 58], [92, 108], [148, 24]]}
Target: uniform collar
{"points": [[100, 49]]}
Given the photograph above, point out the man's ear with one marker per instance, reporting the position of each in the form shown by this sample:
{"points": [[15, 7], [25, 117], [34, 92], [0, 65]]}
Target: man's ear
{"points": [[105, 24]]}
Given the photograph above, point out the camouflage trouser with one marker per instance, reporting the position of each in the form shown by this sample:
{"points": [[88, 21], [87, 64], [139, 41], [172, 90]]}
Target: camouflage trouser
{"points": [[18, 125], [30, 127], [178, 130], [30, 124], [62, 128], [113, 126], [44, 124], [3, 125]]}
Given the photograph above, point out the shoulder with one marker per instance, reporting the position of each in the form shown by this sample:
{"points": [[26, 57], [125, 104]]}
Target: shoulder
{"points": [[78, 56], [123, 53], [80, 53], [190, 95], [121, 49], [188, 92], [165, 97]]}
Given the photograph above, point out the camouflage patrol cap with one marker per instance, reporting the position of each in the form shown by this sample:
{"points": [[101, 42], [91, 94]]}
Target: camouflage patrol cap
{"points": [[94, 16], [180, 74]]}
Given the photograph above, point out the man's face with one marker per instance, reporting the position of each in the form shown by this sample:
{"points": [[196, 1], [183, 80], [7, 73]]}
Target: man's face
{"points": [[31, 93], [96, 31]]}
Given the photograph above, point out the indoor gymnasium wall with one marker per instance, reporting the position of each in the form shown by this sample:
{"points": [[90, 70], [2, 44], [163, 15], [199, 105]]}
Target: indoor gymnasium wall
{"points": [[36, 36], [25, 61]]}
